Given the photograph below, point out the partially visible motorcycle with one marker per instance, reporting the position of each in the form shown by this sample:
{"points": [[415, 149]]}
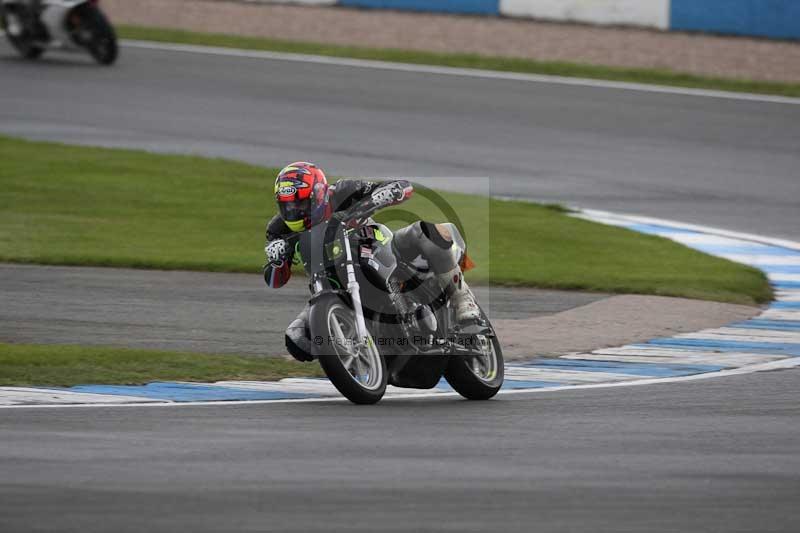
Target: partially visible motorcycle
{"points": [[64, 24], [376, 320]]}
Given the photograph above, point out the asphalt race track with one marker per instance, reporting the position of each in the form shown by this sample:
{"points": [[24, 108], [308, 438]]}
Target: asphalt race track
{"points": [[712, 455], [727, 163], [717, 456], [188, 311]]}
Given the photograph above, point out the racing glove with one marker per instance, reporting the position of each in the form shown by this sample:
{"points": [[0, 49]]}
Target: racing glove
{"points": [[276, 252], [278, 270], [391, 193]]}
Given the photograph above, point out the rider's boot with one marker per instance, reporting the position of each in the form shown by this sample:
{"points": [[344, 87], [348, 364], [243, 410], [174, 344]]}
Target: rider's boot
{"points": [[436, 244], [461, 296], [298, 341]]}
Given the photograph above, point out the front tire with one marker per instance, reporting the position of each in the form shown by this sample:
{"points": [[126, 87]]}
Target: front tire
{"points": [[479, 376], [23, 41], [357, 370]]}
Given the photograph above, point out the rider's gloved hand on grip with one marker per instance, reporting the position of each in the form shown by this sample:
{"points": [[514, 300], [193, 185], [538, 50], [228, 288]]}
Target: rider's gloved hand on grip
{"points": [[392, 193], [276, 251]]}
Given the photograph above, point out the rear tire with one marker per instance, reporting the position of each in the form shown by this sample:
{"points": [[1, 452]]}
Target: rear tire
{"points": [[358, 373], [103, 45], [478, 377]]}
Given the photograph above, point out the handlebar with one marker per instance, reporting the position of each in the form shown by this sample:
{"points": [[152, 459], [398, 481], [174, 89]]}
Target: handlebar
{"points": [[358, 212]]}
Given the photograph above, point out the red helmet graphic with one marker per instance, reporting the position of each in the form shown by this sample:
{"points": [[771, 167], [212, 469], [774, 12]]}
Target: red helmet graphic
{"points": [[301, 190]]}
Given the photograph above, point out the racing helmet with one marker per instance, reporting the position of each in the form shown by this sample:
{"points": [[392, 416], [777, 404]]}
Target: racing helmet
{"points": [[301, 190]]}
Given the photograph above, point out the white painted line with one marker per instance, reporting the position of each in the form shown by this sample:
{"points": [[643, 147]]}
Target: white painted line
{"points": [[783, 364], [677, 356], [735, 338], [761, 334], [675, 353], [783, 277], [453, 71], [10, 396], [624, 219], [657, 351], [701, 238], [779, 314], [693, 354], [293, 386], [757, 260], [765, 367], [727, 360], [595, 216], [763, 260], [525, 373]]}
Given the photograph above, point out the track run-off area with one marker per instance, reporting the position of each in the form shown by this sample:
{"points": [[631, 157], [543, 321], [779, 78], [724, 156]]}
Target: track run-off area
{"points": [[703, 454]]}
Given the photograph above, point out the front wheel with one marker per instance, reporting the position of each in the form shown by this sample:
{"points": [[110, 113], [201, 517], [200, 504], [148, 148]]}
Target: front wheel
{"points": [[480, 375], [356, 368], [18, 35]]}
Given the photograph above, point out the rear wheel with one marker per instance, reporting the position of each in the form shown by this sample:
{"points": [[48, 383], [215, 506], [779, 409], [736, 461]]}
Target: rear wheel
{"points": [[19, 35], [356, 368], [480, 375], [102, 40]]}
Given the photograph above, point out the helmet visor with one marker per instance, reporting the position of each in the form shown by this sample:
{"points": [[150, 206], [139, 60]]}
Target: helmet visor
{"points": [[294, 211]]}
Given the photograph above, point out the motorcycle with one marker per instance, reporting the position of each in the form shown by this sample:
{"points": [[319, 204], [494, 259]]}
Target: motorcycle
{"points": [[65, 24], [375, 320]]}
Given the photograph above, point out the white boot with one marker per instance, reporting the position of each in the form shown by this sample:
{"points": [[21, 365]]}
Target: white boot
{"points": [[466, 306], [461, 297]]}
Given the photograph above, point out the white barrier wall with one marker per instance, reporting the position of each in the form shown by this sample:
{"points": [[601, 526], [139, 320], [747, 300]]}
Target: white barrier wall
{"points": [[776, 19], [308, 2], [651, 13]]}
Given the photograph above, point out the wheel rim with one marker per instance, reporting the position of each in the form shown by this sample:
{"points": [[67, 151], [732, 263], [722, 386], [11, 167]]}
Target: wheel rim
{"points": [[484, 364], [361, 360]]}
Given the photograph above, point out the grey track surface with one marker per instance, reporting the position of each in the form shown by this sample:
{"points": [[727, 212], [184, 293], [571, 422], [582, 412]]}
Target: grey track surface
{"points": [[719, 455], [187, 311], [728, 163]]}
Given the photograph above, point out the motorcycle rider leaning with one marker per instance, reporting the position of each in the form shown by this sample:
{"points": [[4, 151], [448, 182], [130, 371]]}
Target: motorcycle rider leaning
{"points": [[305, 199]]}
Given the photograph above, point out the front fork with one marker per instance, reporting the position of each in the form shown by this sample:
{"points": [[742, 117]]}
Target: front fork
{"points": [[355, 290]]}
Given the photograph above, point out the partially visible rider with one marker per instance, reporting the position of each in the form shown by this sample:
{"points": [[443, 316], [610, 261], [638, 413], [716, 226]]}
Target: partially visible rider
{"points": [[305, 199]]}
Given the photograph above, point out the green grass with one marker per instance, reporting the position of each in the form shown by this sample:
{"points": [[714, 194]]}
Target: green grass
{"points": [[65, 366], [556, 68], [94, 206]]}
